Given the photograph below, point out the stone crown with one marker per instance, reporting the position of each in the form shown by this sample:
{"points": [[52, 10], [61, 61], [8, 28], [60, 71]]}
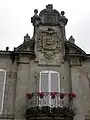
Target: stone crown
{"points": [[49, 16]]}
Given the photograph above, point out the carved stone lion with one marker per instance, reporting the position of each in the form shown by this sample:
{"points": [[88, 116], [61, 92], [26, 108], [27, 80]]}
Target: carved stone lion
{"points": [[49, 43]]}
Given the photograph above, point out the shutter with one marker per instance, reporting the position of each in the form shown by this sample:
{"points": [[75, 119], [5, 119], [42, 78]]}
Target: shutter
{"points": [[2, 87]]}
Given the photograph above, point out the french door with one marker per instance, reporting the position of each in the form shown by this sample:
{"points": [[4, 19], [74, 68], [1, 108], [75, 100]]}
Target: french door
{"points": [[49, 82]]}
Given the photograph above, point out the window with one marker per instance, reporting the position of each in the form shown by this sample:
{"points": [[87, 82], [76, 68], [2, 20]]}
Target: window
{"points": [[2, 88], [49, 81]]}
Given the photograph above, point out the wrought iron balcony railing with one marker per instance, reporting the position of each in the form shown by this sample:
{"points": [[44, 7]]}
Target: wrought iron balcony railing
{"points": [[51, 103]]}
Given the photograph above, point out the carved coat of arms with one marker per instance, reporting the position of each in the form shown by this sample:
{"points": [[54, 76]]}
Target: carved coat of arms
{"points": [[49, 43]]}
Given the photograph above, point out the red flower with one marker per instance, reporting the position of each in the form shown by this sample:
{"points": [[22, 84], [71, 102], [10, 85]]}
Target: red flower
{"points": [[53, 94], [62, 95], [41, 95], [29, 95], [72, 95]]}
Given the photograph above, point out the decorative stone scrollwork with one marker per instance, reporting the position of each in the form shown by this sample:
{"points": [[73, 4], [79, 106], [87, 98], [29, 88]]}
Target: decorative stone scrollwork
{"points": [[49, 43]]}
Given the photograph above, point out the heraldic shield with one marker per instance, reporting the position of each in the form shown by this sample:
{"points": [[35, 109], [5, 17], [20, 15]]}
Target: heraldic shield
{"points": [[49, 43]]}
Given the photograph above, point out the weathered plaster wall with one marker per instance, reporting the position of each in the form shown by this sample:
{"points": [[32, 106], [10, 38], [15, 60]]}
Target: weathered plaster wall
{"points": [[9, 95], [22, 87], [80, 85]]}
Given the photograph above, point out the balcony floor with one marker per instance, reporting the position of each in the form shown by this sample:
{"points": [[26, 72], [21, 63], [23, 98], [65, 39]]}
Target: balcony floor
{"points": [[44, 117], [48, 114]]}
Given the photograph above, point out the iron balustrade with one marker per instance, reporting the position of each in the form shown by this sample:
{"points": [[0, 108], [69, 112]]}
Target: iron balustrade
{"points": [[51, 102]]}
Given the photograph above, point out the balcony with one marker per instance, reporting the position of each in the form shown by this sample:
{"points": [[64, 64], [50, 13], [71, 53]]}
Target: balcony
{"points": [[50, 104]]}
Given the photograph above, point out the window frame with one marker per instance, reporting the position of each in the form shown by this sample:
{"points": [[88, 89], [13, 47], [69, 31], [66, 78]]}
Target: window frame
{"points": [[49, 78], [4, 81]]}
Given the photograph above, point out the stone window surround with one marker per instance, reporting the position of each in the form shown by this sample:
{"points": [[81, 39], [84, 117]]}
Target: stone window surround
{"points": [[4, 81], [49, 78]]}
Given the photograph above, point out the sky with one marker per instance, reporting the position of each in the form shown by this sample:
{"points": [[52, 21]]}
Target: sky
{"points": [[15, 20]]}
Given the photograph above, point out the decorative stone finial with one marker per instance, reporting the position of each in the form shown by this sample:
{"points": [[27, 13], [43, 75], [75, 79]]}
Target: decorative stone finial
{"points": [[14, 48], [7, 48], [63, 19], [35, 17], [35, 11], [71, 39], [49, 7], [62, 13], [26, 38]]}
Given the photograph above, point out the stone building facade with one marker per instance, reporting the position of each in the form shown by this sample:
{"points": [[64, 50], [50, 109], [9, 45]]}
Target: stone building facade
{"points": [[47, 76]]}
